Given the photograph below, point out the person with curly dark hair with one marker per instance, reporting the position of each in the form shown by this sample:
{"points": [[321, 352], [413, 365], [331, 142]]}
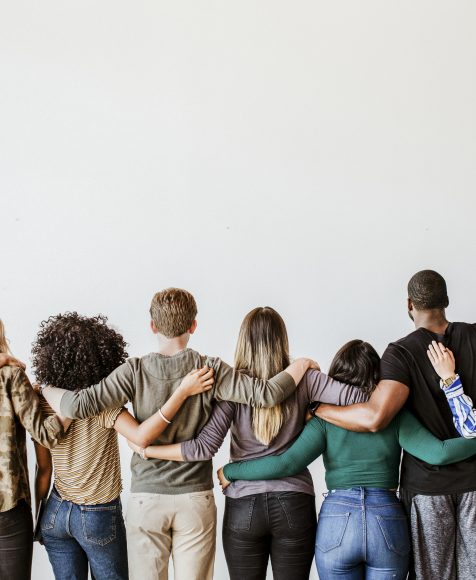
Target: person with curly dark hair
{"points": [[20, 411], [82, 523]]}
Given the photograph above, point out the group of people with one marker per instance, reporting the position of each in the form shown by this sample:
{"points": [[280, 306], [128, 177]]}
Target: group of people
{"points": [[381, 517]]}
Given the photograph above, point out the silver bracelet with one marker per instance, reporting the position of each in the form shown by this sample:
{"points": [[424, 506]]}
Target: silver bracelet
{"points": [[142, 453], [164, 417]]}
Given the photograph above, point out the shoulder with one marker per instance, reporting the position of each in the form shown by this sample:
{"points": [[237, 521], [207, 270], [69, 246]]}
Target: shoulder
{"points": [[468, 328]]}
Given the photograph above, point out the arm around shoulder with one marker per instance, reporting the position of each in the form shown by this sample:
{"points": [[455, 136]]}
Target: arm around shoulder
{"points": [[239, 387], [385, 402], [112, 392]]}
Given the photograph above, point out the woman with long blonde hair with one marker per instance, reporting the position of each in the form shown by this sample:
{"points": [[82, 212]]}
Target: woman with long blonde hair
{"points": [[267, 519], [19, 411]]}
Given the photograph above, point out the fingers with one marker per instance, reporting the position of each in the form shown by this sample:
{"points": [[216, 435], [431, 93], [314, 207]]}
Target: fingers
{"points": [[203, 374], [434, 356]]}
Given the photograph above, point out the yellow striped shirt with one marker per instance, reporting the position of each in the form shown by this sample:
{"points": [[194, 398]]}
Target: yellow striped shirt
{"points": [[86, 461]]}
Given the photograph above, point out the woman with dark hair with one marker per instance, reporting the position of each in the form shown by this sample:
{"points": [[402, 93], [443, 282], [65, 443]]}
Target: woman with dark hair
{"points": [[82, 522], [20, 411], [265, 520], [362, 529]]}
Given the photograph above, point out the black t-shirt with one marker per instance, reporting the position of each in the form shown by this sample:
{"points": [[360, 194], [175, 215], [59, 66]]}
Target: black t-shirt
{"points": [[406, 361]]}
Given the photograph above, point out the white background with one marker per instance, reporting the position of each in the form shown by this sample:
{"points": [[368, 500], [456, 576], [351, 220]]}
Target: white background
{"points": [[305, 155]]}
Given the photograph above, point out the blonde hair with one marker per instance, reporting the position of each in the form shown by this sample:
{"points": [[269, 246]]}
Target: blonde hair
{"points": [[173, 311], [263, 351], [4, 348]]}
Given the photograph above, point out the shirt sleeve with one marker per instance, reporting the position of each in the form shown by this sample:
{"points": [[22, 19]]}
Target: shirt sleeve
{"points": [[211, 437], [418, 441], [327, 390], [107, 418], [394, 365], [307, 447], [238, 387], [461, 405], [44, 429], [112, 392]]}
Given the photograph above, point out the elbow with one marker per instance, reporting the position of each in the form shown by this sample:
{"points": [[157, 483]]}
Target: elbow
{"points": [[142, 440], [376, 422]]}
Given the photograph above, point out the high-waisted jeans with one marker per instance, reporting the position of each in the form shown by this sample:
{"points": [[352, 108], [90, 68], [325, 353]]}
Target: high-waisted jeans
{"points": [[75, 535], [362, 533]]}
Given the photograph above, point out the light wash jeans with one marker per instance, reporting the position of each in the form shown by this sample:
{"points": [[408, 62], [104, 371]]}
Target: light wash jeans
{"points": [[77, 535], [362, 533]]}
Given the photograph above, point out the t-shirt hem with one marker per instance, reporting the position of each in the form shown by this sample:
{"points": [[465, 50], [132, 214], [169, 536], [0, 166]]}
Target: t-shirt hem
{"points": [[438, 492], [179, 490]]}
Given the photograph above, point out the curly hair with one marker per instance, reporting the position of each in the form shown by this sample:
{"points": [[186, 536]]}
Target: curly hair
{"points": [[73, 351]]}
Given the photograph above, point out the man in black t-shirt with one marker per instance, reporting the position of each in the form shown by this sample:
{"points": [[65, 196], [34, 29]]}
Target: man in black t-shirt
{"points": [[440, 501]]}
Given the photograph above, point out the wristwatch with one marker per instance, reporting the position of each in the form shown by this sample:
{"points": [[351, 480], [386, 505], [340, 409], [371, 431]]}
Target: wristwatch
{"points": [[313, 407], [449, 381]]}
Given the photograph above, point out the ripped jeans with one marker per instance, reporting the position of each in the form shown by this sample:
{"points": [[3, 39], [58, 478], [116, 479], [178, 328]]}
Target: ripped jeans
{"points": [[362, 533]]}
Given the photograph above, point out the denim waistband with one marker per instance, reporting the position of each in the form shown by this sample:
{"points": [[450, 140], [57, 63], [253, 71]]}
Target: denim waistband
{"points": [[360, 494], [359, 491]]}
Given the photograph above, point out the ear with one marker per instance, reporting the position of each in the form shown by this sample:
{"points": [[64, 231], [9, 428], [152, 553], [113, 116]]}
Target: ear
{"points": [[153, 327], [410, 306], [193, 328], [447, 302]]}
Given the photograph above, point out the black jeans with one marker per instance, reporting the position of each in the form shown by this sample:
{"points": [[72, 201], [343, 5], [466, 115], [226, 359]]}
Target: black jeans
{"points": [[280, 526], [16, 542]]}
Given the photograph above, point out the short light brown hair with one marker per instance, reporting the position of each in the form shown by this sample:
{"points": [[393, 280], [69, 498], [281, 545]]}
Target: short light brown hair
{"points": [[173, 311]]}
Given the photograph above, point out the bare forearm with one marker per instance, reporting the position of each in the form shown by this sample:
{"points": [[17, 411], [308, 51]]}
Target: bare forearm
{"points": [[42, 487], [151, 429], [165, 452], [361, 417]]}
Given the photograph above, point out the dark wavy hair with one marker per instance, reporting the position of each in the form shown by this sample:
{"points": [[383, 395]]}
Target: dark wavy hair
{"points": [[356, 363], [73, 351]]}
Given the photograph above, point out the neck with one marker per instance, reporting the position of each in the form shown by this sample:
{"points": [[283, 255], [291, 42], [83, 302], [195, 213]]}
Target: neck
{"points": [[171, 346], [433, 320]]}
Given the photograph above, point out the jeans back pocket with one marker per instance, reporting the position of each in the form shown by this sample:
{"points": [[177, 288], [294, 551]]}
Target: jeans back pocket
{"points": [[99, 523], [299, 509], [330, 530], [239, 513], [52, 507], [395, 532]]}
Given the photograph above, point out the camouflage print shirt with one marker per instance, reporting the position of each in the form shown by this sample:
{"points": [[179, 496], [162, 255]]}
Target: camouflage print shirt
{"points": [[20, 410]]}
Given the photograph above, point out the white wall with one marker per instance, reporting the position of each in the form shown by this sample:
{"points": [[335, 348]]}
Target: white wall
{"points": [[307, 155]]}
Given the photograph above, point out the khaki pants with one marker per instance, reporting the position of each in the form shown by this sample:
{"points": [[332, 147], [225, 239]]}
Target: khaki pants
{"points": [[183, 526]]}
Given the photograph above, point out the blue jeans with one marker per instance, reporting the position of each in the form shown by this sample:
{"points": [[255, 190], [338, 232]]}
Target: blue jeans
{"points": [[75, 535], [362, 533]]}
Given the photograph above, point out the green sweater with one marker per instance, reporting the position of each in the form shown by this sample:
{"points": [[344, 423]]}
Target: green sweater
{"points": [[356, 459]]}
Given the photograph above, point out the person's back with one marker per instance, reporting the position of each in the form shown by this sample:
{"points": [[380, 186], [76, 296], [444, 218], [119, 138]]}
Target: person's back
{"points": [[82, 525], [406, 361], [19, 411], [87, 467], [244, 445]]}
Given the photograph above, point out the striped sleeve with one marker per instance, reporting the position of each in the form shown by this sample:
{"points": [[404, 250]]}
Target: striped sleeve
{"points": [[461, 405], [107, 418]]}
